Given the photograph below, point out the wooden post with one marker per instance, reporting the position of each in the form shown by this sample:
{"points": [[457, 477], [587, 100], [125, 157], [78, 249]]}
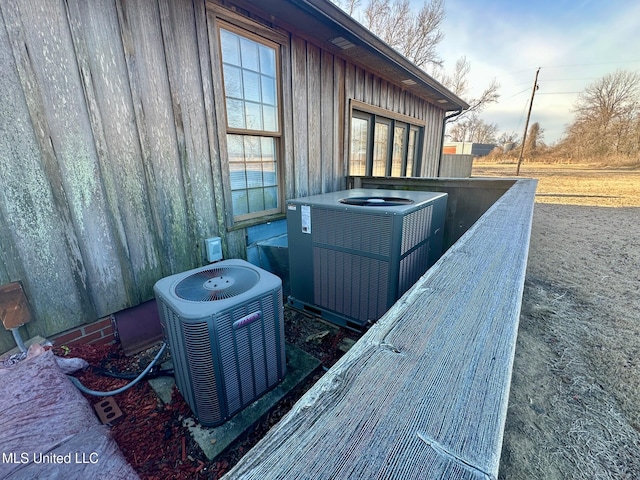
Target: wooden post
{"points": [[526, 125]]}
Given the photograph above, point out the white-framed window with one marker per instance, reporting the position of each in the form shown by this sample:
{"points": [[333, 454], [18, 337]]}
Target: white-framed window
{"points": [[383, 144], [250, 69]]}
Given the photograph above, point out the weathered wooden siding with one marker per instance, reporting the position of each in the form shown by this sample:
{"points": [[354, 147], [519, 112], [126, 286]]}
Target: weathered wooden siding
{"points": [[107, 175], [110, 139]]}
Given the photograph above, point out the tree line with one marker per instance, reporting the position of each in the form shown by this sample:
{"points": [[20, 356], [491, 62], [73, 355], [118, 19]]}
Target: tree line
{"points": [[607, 112]]}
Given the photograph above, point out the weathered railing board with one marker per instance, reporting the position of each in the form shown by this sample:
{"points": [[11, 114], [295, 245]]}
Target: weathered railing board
{"points": [[424, 393]]}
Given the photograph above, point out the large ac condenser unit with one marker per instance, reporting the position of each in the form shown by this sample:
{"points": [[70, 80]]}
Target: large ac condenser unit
{"points": [[224, 324], [353, 253]]}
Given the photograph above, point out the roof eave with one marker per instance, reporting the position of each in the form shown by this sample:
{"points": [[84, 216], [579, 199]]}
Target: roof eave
{"points": [[325, 22], [336, 15]]}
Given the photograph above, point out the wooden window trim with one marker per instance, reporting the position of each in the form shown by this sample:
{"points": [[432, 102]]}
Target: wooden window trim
{"points": [[382, 112], [247, 24]]}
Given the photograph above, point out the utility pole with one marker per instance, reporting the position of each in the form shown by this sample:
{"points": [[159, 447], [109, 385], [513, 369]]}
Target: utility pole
{"points": [[526, 126]]}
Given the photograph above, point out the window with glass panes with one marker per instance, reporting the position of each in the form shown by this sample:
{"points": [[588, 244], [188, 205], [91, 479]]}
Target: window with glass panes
{"points": [[383, 146], [250, 79]]}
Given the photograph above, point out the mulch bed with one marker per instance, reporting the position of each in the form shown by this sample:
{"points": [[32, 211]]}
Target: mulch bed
{"points": [[150, 434]]}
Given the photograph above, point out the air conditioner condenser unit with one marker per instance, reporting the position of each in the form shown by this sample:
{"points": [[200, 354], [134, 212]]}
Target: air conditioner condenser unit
{"points": [[224, 324], [353, 253]]}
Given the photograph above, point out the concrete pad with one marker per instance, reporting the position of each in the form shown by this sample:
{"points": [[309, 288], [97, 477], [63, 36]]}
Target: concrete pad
{"points": [[213, 440]]}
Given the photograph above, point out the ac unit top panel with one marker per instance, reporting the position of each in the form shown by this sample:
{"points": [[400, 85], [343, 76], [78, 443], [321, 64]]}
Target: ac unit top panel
{"points": [[390, 202], [229, 282]]}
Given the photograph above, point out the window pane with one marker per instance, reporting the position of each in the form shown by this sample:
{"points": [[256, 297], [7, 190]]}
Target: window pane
{"points": [[252, 148], [254, 175], [270, 198], [240, 204], [269, 120], [358, 148], [269, 166], [269, 101], [269, 173], [230, 47], [253, 114], [232, 81], [268, 148], [380, 149], [252, 86], [268, 90], [411, 149], [235, 113], [256, 200], [235, 148], [238, 176], [249, 53], [267, 61], [398, 151]]}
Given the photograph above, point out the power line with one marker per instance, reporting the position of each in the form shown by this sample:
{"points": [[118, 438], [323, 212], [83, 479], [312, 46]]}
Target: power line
{"points": [[522, 91], [515, 72], [592, 64]]}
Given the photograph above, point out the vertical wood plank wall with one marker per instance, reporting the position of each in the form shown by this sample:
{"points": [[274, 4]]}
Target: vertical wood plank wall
{"points": [[111, 175]]}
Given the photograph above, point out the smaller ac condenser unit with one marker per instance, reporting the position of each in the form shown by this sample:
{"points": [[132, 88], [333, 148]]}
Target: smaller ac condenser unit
{"points": [[353, 253], [224, 324]]}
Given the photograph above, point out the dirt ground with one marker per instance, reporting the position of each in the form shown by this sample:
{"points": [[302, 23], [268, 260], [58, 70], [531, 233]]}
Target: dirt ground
{"points": [[574, 406]]}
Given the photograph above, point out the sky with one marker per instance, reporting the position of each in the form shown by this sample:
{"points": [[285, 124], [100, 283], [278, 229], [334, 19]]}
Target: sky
{"points": [[574, 42]]}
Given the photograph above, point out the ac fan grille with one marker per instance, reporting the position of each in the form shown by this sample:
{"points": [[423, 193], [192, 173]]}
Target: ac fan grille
{"points": [[376, 201], [218, 283]]}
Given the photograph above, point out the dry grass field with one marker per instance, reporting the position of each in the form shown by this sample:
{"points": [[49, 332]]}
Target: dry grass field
{"points": [[574, 407]]}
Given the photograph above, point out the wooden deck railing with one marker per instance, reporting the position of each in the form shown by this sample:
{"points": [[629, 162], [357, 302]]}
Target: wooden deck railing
{"points": [[424, 393]]}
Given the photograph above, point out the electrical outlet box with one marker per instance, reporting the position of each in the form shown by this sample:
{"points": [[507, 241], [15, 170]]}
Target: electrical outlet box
{"points": [[214, 249], [14, 308]]}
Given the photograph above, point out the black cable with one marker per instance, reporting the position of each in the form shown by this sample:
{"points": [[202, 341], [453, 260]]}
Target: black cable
{"points": [[126, 376]]}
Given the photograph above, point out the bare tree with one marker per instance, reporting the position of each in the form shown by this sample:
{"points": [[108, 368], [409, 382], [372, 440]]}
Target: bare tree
{"points": [[613, 97], [607, 117], [473, 129], [415, 35], [349, 6], [458, 83], [511, 137], [534, 139]]}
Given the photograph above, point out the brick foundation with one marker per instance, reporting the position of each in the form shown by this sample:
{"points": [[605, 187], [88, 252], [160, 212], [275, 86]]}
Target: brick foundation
{"points": [[97, 333]]}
